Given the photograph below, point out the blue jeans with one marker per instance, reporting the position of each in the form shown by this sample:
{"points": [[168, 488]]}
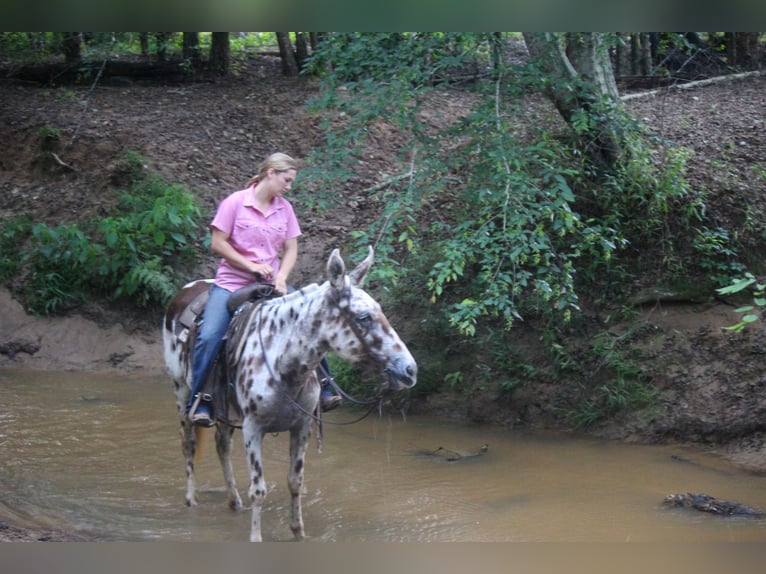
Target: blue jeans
{"points": [[209, 338]]}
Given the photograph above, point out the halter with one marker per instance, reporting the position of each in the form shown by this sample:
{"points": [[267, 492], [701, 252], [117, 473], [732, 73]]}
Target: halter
{"points": [[377, 401]]}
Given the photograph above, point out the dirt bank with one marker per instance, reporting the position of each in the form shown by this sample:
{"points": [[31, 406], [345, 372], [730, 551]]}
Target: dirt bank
{"points": [[78, 342]]}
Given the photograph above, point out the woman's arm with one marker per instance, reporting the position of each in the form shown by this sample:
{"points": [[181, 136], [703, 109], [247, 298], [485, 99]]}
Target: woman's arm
{"points": [[221, 246], [289, 257]]}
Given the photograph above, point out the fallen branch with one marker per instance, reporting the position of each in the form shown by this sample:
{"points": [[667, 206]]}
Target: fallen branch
{"points": [[62, 163], [388, 181], [690, 85]]}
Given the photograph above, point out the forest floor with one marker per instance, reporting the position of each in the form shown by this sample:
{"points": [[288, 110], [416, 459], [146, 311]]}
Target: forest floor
{"points": [[209, 138]]}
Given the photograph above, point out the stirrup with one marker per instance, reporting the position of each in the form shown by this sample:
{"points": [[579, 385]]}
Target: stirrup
{"points": [[202, 418]]}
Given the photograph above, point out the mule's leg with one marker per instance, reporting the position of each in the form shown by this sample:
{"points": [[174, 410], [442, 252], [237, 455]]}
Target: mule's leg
{"points": [[223, 436], [188, 441], [299, 439], [253, 437], [189, 446]]}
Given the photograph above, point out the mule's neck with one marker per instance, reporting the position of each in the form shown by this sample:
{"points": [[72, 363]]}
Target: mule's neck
{"points": [[292, 329]]}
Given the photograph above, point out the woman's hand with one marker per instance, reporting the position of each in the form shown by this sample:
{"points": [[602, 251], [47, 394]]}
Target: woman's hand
{"points": [[263, 270], [280, 285]]}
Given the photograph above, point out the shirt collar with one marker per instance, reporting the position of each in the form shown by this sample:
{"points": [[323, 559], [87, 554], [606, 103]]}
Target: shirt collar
{"points": [[276, 204]]}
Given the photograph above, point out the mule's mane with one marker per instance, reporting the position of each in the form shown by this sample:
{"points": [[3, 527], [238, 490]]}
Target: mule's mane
{"points": [[290, 297]]}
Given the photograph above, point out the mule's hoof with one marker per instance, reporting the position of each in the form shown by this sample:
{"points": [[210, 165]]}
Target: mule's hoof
{"points": [[299, 534]]}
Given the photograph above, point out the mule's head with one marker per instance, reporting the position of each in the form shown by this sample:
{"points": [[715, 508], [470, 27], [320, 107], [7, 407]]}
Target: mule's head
{"points": [[364, 332]]}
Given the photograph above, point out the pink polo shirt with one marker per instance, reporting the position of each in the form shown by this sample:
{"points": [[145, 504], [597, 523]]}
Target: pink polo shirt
{"points": [[256, 235]]}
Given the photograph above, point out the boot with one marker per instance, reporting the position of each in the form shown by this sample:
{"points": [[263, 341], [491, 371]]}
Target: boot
{"points": [[201, 412], [328, 400]]}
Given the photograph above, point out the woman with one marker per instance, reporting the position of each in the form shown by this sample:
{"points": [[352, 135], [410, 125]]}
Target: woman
{"points": [[249, 230]]}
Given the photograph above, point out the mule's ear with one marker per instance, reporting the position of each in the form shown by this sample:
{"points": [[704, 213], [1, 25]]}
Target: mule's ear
{"points": [[336, 270], [359, 274]]}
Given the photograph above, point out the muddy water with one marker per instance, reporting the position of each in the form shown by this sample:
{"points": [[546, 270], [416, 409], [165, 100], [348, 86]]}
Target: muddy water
{"points": [[101, 455]]}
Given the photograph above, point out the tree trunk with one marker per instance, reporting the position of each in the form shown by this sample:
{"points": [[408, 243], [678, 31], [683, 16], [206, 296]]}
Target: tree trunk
{"points": [[286, 52], [635, 55], [36, 42], [746, 49], [70, 45], [191, 50], [219, 53], [645, 47], [622, 55], [581, 82], [162, 39], [143, 38], [301, 49], [316, 38]]}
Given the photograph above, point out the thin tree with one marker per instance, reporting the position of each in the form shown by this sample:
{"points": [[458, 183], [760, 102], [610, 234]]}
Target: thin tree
{"points": [[287, 54], [301, 49], [220, 53], [143, 38], [191, 50], [71, 43], [163, 40]]}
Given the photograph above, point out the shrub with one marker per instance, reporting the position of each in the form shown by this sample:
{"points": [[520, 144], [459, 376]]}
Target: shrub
{"points": [[142, 252]]}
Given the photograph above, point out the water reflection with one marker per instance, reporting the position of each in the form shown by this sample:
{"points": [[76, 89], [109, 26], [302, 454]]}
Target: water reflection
{"points": [[101, 454]]}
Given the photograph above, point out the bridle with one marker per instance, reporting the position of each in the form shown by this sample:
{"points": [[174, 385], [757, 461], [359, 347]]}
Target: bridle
{"points": [[376, 401]]}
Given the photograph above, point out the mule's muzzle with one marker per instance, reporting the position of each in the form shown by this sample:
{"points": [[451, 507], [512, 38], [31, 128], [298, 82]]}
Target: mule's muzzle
{"points": [[402, 378]]}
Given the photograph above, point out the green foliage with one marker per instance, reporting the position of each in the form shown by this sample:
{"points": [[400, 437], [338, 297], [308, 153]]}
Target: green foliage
{"points": [[750, 313], [352, 378], [58, 267], [654, 211], [717, 255], [503, 365], [49, 136], [132, 168], [243, 42], [516, 243], [150, 282], [503, 217], [644, 195], [626, 388], [13, 234], [39, 46], [506, 233], [141, 252], [30, 46]]}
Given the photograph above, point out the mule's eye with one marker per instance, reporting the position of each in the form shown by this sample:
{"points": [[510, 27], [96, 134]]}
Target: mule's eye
{"points": [[364, 319]]}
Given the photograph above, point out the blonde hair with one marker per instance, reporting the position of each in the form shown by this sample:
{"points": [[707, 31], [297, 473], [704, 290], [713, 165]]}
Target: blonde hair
{"points": [[276, 161]]}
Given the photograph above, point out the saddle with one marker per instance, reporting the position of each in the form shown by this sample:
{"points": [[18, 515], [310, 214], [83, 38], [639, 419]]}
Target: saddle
{"points": [[191, 316], [241, 303]]}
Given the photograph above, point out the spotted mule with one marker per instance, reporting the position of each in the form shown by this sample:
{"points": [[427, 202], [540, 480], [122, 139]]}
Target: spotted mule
{"points": [[270, 372]]}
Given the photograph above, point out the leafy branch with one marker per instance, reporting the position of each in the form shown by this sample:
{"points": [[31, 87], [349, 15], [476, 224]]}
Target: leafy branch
{"points": [[759, 301]]}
